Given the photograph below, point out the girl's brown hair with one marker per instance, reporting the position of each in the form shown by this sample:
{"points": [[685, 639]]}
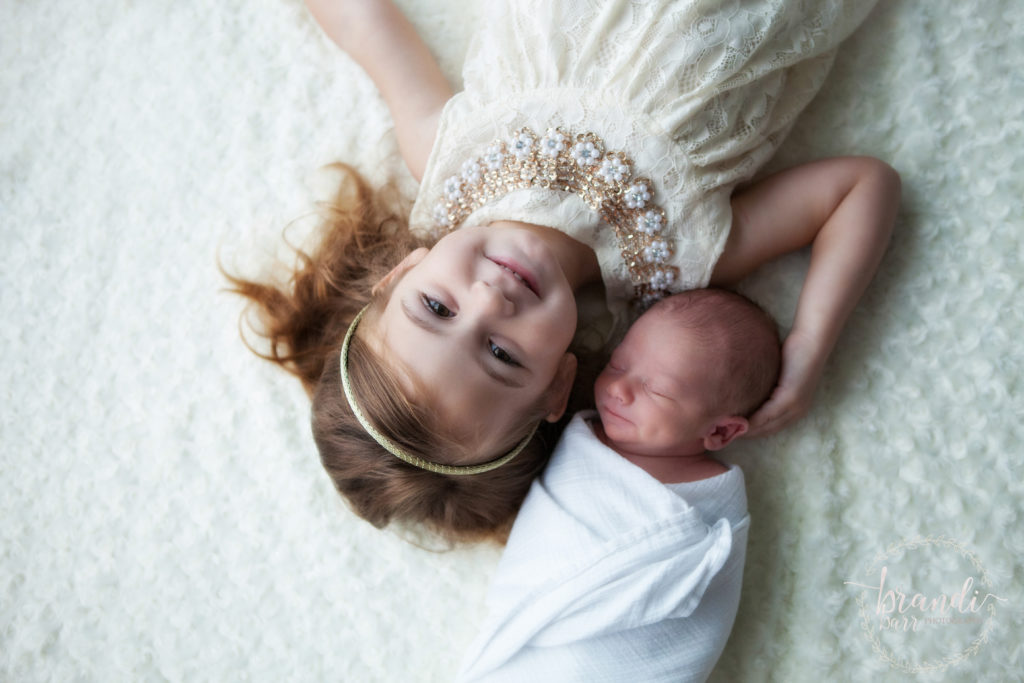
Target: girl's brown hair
{"points": [[304, 321]]}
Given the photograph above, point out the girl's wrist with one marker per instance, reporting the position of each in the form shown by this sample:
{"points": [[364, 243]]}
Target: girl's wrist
{"points": [[815, 347]]}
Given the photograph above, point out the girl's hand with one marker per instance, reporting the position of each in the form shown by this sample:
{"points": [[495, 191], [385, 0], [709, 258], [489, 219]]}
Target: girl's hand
{"points": [[793, 394], [845, 208]]}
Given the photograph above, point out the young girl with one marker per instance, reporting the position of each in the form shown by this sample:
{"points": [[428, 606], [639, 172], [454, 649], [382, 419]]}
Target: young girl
{"points": [[596, 144]]}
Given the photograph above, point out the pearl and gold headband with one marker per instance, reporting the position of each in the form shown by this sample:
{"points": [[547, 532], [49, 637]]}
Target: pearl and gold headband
{"points": [[390, 446]]}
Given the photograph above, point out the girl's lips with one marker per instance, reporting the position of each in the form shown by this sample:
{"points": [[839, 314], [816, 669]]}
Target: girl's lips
{"points": [[524, 275]]}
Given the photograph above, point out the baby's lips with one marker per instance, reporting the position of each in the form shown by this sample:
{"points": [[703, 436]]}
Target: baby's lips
{"points": [[604, 409]]}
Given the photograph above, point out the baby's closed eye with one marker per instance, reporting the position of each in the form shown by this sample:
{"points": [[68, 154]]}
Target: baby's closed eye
{"points": [[657, 391]]}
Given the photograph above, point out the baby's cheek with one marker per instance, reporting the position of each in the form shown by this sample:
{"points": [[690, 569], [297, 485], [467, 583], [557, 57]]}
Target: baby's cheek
{"points": [[650, 426], [655, 423]]}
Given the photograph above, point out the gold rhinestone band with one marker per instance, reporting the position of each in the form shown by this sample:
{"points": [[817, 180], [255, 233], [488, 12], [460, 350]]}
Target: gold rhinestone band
{"points": [[578, 164]]}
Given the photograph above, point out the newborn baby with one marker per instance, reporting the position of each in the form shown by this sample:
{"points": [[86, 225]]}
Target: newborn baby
{"points": [[683, 382], [626, 560]]}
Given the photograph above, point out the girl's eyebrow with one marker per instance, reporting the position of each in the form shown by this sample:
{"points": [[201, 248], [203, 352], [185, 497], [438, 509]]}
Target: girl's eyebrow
{"points": [[427, 325]]}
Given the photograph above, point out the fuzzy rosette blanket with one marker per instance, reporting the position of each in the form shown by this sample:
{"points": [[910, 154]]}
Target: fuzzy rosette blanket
{"points": [[163, 514]]}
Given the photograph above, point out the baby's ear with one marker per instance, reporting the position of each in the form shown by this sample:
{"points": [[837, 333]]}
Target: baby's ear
{"points": [[560, 388], [401, 269], [724, 431]]}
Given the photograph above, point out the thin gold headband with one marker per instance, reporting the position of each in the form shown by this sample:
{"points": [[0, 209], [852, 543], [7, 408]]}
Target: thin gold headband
{"points": [[390, 446]]}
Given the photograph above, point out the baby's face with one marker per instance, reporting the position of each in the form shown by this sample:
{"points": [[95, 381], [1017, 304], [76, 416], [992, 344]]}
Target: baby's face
{"points": [[655, 396]]}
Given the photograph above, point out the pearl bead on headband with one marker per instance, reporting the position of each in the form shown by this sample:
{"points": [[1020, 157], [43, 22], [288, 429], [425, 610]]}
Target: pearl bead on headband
{"points": [[390, 446]]}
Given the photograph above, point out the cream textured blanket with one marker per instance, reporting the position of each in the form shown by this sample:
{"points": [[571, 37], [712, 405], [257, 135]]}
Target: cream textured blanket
{"points": [[163, 515]]}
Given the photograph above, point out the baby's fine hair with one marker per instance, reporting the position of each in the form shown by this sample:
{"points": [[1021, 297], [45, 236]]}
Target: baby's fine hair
{"points": [[741, 334], [304, 322]]}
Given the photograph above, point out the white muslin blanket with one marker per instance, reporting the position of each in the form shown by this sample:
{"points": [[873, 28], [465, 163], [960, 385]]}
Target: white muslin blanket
{"points": [[608, 576]]}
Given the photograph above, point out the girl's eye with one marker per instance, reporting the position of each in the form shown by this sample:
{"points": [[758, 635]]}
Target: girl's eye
{"points": [[437, 308], [501, 354]]}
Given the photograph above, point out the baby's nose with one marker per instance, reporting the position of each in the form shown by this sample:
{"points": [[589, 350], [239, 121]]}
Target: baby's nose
{"points": [[621, 390]]}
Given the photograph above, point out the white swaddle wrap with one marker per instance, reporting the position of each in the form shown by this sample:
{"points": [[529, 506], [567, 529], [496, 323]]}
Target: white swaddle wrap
{"points": [[608, 574]]}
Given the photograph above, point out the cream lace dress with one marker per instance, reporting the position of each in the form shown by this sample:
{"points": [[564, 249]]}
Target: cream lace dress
{"points": [[627, 125]]}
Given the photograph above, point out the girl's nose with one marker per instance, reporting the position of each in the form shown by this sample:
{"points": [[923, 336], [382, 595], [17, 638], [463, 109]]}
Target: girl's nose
{"points": [[490, 300]]}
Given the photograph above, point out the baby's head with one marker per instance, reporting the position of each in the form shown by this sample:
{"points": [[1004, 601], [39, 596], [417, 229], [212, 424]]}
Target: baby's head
{"points": [[688, 374]]}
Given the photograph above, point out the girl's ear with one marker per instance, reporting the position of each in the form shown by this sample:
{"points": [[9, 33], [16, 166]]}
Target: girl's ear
{"points": [[401, 269], [560, 388], [724, 431]]}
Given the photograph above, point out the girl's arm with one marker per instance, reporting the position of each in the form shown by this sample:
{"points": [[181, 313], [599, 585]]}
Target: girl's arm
{"points": [[383, 42], [846, 207]]}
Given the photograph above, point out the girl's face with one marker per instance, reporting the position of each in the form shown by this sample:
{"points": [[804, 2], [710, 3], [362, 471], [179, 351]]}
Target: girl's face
{"points": [[483, 321]]}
